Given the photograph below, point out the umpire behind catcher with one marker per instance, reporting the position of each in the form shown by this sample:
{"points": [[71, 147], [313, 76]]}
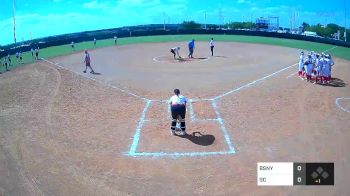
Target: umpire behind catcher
{"points": [[178, 110]]}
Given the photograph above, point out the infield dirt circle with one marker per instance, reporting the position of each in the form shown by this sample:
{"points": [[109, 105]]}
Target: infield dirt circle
{"points": [[64, 132]]}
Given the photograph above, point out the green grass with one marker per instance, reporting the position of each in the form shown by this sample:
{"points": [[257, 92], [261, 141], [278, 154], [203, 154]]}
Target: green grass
{"points": [[62, 50]]}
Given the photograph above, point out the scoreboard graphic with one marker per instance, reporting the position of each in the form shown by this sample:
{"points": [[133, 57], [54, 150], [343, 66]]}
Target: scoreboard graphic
{"points": [[293, 174]]}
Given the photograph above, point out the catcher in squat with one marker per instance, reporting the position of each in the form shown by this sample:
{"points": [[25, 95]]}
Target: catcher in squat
{"points": [[178, 111]]}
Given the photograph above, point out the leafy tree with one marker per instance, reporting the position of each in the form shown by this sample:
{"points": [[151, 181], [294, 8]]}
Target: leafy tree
{"points": [[305, 26], [190, 25], [325, 31], [212, 26], [240, 25]]}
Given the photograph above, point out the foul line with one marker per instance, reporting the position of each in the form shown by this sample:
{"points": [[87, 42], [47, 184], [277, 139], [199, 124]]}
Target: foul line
{"points": [[291, 75], [96, 80], [339, 106], [223, 128], [253, 83], [138, 129], [331, 49]]}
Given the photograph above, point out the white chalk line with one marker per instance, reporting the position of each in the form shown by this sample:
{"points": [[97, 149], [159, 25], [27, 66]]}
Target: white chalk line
{"points": [[192, 115], [331, 49], [339, 105], [253, 82], [136, 137], [179, 154], [98, 81], [223, 128], [291, 75]]}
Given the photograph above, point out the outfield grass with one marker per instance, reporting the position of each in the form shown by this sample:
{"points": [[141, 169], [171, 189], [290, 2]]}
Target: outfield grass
{"points": [[62, 50]]}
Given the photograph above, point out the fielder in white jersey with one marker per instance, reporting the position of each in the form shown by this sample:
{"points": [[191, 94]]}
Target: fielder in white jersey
{"points": [[5, 63], [301, 64], [72, 45], [313, 56], [318, 67], [32, 51], [175, 52], [326, 70], [115, 40], [332, 64], [211, 44], [308, 68], [20, 57]]}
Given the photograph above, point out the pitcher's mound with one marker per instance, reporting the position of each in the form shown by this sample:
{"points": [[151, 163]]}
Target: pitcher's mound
{"points": [[170, 59]]}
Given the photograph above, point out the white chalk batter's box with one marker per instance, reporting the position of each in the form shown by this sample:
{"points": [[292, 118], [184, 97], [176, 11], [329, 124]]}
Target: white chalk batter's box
{"points": [[207, 134]]}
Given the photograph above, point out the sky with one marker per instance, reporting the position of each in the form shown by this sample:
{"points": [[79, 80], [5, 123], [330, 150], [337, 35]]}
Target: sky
{"points": [[41, 18]]}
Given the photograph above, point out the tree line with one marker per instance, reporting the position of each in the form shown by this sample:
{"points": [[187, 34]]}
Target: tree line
{"points": [[327, 31]]}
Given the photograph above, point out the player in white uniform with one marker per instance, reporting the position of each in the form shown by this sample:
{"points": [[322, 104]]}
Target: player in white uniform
{"points": [[313, 56], [20, 57], [318, 68], [115, 40], [178, 111], [5, 64], [301, 64], [32, 51], [17, 56], [36, 51], [326, 70], [332, 64], [211, 44], [308, 68], [9, 59], [175, 52]]}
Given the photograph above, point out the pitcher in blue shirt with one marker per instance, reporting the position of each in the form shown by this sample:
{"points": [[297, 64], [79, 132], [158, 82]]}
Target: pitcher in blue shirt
{"points": [[191, 48]]}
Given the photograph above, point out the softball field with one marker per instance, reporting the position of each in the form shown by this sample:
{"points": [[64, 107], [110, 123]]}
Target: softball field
{"points": [[65, 132]]}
